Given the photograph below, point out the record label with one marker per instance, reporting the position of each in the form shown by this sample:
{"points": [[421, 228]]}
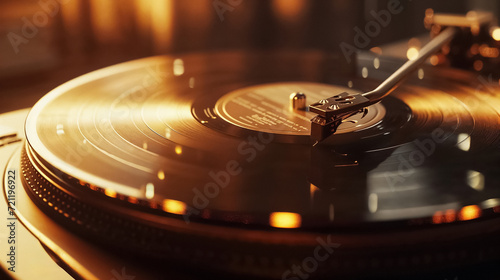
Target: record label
{"points": [[265, 108]]}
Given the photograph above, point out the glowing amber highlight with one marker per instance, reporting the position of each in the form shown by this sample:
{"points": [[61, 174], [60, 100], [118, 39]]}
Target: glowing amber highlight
{"points": [[104, 20], [150, 190], [289, 10], [285, 220], [71, 14], [469, 212], [174, 206], [450, 216], [133, 200], [437, 218], [496, 34], [161, 175], [178, 149], [178, 67], [313, 189], [412, 53], [434, 60], [110, 192], [486, 51]]}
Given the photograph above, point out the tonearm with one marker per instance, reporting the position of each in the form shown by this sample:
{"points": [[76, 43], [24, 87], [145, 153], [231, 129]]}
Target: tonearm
{"points": [[336, 109]]}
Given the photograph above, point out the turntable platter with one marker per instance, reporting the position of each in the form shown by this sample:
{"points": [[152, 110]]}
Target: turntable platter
{"points": [[205, 146], [135, 130]]}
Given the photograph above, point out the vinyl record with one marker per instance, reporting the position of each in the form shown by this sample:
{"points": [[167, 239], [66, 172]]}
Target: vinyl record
{"points": [[169, 154]]}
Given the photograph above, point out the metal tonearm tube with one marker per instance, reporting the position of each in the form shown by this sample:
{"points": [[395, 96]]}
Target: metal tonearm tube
{"points": [[334, 110], [463, 30]]}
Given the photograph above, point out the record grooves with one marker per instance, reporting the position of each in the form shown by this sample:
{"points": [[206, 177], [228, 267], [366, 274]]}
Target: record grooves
{"points": [[181, 166], [149, 241]]}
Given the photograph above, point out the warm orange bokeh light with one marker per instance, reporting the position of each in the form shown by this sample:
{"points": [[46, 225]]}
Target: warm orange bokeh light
{"points": [[448, 216], [133, 200], [161, 175], [110, 192], [437, 218], [285, 220], [496, 34], [155, 17], [174, 206], [105, 20], [178, 149], [469, 212], [478, 65], [486, 51], [289, 10], [434, 60], [412, 53]]}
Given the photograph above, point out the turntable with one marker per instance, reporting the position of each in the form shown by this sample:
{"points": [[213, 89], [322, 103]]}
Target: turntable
{"points": [[264, 164]]}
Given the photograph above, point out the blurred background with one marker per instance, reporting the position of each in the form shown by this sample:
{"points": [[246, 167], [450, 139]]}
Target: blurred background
{"points": [[44, 43]]}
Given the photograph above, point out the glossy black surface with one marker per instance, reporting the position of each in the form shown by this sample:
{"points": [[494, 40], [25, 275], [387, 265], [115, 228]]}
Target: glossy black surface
{"points": [[135, 129]]}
